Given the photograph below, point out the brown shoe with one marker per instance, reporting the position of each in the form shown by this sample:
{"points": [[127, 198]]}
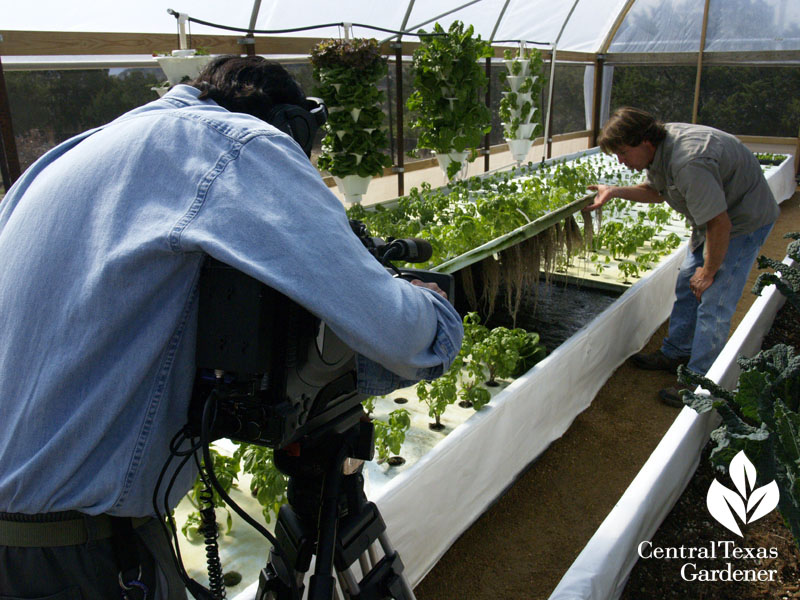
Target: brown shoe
{"points": [[671, 396], [657, 361]]}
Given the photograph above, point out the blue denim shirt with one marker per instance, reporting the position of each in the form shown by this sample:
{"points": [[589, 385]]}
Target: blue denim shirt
{"points": [[101, 244]]}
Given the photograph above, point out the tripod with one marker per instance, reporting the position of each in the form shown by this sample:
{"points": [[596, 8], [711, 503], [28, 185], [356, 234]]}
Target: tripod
{"points": [[328, 516]]}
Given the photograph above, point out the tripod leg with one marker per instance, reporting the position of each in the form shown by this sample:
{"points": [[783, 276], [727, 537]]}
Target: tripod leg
{"points": [[322, 581], [366, 562], [373, 556], [388, 549]]}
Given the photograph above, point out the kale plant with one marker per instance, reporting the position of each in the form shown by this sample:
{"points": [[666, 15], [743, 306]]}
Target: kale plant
{"points": [[760, 417], [786, 277]]}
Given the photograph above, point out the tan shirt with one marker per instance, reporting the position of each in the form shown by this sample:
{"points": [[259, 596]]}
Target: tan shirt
{"points": [[701, 172]]}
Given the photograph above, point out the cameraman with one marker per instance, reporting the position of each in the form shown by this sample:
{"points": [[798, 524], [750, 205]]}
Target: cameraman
{"points": [[101, 245]]}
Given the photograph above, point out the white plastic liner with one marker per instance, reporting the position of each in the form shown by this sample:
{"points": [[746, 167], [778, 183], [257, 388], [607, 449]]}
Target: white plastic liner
{"points": [[601, 570], [781, 180]]}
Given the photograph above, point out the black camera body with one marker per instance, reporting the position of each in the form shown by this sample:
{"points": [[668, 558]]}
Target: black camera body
{"points": [[278, 373], [272, 365]]}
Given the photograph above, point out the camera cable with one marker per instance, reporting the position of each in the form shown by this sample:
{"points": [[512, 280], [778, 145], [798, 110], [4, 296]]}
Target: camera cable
{"points": [[210, 531], [171, 530], [209, 463]]}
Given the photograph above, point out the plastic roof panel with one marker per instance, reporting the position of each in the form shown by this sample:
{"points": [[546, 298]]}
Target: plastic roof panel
{"points": [[660, 26], [650, 26], [753, 25], [733, 25], [531, 20]]}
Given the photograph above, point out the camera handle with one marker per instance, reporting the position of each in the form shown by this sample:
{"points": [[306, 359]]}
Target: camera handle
{"points": [[328, 516]]}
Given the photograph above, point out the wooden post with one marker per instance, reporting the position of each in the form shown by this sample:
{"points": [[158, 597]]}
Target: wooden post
{"points": [[797, 156], [597, 100], [486, 143], [9, 160], [249, 43], [548, 127], [399, 167], [696, 105]]}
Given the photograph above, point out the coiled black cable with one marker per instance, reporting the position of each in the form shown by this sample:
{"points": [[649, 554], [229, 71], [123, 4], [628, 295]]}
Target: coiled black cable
{"points": [[210, 533]]}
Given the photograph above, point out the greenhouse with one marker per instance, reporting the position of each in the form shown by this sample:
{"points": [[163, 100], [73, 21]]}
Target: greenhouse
{"points": [[460, 139]]}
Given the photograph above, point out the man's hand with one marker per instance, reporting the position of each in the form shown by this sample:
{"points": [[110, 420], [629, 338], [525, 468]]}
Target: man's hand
{"points": [[700, 281], [604, 194], [636, 193], [430, 286], [718, 235]]}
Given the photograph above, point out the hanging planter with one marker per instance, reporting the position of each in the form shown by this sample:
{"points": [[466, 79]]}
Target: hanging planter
{"points": [[182, 65], [449, 115], [459, 158], [519, 109], [352, 187], [353, 148], [519, 149]]}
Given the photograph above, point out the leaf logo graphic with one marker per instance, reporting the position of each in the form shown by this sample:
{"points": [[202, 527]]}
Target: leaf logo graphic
{"points": [[725, 504]]}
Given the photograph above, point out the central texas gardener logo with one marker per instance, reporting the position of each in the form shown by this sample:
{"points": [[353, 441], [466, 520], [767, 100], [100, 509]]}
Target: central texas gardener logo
{"points": [[746, 502]]}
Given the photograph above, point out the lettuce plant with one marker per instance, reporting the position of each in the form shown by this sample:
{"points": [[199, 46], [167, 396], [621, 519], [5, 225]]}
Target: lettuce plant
{"points": [[347, 72], [450, 115], [521, 106]]}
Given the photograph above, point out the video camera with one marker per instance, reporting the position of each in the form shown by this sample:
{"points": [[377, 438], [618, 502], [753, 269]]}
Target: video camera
{"points": [[278, 372]]}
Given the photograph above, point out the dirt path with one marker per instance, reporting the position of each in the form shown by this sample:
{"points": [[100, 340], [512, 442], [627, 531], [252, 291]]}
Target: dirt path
{"points": [[521, 547]]}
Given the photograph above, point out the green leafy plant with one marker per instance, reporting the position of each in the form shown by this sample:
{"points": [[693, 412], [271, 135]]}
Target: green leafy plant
{"points": [[369, 405], [473, 374], [786, 277], [498, 352], [520, 104], [469, 213], [761, 418], [450, 115], [438, 395], [268, 484], [770, 159], [227, 471], [507, 352], [347, 72], [390, 435], [635, 234]]}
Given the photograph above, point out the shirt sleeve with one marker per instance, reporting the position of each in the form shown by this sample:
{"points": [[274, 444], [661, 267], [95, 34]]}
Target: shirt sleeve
{"points": [[701, 185], [269, 214]]}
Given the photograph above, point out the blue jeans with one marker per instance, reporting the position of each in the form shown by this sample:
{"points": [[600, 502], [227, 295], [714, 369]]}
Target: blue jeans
{"points": [[699, 329]]}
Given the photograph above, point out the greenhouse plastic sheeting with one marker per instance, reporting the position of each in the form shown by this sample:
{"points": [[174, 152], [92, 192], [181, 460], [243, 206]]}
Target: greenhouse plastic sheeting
{"points": [[533, 20], [733, 25], [650, 25]]}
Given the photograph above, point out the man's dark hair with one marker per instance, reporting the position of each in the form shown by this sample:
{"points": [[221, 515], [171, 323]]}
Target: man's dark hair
{"points": [[248, 84], [630, 127]]}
